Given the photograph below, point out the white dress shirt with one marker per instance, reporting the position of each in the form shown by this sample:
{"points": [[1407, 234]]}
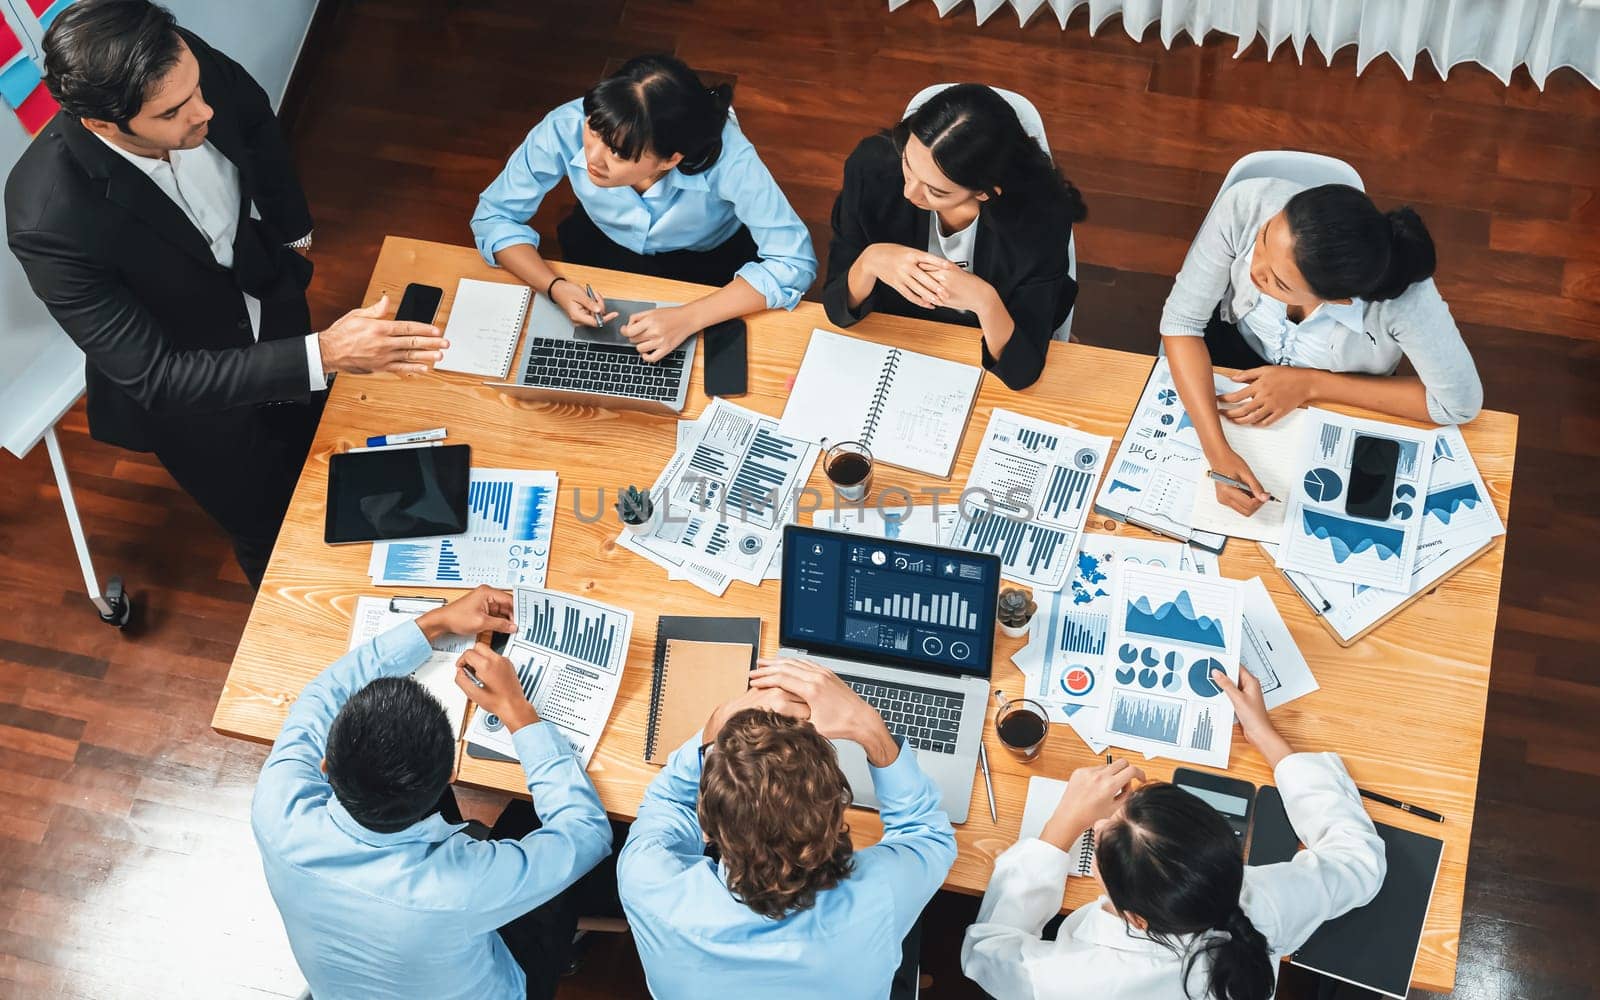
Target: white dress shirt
{"points": [[1318, 340], [205, 185], [1098, 956], [956, 247]]}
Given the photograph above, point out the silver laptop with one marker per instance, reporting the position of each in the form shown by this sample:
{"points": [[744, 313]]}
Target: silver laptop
{"points": [[596, 366], [911, 629]]}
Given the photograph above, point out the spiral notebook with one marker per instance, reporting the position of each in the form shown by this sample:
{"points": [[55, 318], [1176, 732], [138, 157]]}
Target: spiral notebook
{"points": [[485, 324], [1044, 794], [699, 664], [909, 409]]}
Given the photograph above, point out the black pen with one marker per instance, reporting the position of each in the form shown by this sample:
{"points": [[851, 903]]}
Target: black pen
{"points": [[472, 675], [1402, 806]]}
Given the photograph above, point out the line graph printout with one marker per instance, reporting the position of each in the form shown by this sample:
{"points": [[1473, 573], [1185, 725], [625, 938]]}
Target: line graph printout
{"points": [[569, 653], [1169, 630], [727, 491], [510, 513], [1040, 480], [1321, 539], [1457, 509]]}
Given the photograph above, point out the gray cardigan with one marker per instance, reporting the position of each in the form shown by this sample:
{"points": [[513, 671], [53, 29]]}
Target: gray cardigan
{"points": [[1417, 324]]}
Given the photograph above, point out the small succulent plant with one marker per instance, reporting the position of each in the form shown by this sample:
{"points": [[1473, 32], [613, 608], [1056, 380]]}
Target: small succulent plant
{"points": [[1016, 608], [634, 506]]}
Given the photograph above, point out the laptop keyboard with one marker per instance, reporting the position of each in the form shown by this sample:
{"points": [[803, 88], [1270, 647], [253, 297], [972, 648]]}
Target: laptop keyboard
{"points": [[613, 369], [925, 719]]}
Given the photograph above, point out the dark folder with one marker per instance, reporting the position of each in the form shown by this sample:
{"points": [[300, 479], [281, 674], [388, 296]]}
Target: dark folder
{"points": [[1374, 946]]}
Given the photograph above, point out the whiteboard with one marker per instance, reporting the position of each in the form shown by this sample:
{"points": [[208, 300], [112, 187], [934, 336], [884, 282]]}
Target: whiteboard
{"points": [[41, 370]]}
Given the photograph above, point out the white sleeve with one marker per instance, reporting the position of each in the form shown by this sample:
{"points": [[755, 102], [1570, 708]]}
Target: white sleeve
{"points": [[318, 378], [1024, 893], [1341, 868]]}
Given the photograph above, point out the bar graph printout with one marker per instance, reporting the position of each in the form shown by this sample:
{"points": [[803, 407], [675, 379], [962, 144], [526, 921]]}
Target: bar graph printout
{"points": [[507, 542], [1030, 489], [569, 654], [1169, 630], [727, 492]]}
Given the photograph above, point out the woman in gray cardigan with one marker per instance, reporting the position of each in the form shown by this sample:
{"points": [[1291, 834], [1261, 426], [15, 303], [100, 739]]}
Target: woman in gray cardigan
{"points": [[1317, 295]]}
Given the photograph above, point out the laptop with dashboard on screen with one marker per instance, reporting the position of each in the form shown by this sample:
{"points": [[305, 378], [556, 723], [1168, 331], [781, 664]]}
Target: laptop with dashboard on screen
{"points": [[911, 629]]}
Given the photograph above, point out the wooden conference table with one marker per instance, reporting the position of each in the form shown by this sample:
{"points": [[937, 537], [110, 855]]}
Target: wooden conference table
{"points": [[1404, 707]]}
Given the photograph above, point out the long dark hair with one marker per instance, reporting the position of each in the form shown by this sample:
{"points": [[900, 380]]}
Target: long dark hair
{"points": [[978, 141], [657, 103], [1174, 861], [1346, 248]]}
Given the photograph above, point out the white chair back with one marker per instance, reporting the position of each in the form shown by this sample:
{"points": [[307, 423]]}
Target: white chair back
{"points": [[1033, 124], [1310, 169]]}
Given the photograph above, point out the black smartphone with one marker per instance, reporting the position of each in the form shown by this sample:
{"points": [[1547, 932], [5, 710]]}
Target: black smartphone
{"points": [[726, 364], [419, 304], [1372, 466], [1233, 798]]}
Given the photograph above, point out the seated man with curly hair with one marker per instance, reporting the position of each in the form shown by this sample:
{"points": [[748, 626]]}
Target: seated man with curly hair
{"points": [[739, 878]]}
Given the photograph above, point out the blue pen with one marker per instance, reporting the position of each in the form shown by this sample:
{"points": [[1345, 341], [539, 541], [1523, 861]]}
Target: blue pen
{"points": [[384, 440]]}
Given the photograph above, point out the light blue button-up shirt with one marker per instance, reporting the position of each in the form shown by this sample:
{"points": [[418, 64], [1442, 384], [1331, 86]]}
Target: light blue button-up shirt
{"points": [[696, 940], [413, 913], [1317, 341], [678, 212]]}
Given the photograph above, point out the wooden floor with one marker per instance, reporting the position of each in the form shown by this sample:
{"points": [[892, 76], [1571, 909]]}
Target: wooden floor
{"points": [[126, 866]]}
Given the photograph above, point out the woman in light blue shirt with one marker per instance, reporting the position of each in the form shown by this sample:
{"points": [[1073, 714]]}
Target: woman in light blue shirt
{"points": [[1317, 295], [668, 186]]}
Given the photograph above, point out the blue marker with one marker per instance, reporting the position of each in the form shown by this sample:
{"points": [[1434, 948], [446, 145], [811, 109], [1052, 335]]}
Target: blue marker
{"points": [[384, 440]]}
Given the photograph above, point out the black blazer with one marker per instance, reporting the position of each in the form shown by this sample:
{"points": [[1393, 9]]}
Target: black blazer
{"points": [[134, 283], [1025, 261]]}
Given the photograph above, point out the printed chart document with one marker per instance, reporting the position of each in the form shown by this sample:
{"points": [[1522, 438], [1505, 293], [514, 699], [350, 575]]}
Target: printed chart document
{"points": [[1320, 539], [1039, 479], [925, 525], [569, 653], [1273, 454], [1267, 648], [377, 615], [507, 542], [1159, 467], [485, 324], [909, 409], [1065, 660], [1169, 630], [724, 498]]}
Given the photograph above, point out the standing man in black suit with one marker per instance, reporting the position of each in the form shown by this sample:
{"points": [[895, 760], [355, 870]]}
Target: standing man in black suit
{"points": [[159, 219]]}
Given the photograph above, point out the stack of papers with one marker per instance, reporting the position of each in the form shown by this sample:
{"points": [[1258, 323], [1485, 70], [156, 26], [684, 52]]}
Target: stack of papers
{"points": [[723, 499], [506, 544], [569, 653]]}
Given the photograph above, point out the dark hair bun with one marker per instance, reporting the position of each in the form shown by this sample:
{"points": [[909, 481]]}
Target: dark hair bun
{"points": [[1411, 254]]}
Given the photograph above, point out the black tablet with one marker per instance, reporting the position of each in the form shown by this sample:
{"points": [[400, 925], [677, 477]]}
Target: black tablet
{"points": [[397, 493]]}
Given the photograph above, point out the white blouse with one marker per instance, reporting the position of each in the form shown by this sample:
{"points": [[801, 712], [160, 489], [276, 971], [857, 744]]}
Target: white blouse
{"points": [[1098, 956]]}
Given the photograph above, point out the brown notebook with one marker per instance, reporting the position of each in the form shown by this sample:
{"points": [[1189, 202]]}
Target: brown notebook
{"points": [[694, 678]]}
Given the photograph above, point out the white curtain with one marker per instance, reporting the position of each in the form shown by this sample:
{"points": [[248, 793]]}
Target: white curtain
{"points": [[1499, 35]]}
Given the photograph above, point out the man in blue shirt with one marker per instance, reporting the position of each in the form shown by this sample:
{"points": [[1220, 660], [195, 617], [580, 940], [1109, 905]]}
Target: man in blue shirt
{"points": [[381, 895], [790, 910]]}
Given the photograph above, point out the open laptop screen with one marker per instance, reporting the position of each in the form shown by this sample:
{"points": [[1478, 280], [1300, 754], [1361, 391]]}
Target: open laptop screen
{"points": [[886, 601]]}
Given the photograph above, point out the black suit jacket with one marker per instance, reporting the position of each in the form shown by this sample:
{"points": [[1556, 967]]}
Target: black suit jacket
{"points": [[134, 283], [1025, 260]]}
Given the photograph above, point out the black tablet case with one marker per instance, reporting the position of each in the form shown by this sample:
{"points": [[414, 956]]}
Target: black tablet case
{"points": [[1374, 946]]}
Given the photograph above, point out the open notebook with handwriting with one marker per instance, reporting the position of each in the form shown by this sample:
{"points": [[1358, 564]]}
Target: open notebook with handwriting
{"points": [[909, 409]]}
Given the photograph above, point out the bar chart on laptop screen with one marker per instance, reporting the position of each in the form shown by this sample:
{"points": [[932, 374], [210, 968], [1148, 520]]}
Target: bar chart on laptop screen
{"points": [[903, 597]]}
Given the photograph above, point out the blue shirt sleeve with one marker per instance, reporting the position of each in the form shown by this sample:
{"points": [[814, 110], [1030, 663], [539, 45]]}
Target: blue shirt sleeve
{"points": [[786, 263], [511, 877], [295, 764], [665, 838], [918, 845], [537, 166]]}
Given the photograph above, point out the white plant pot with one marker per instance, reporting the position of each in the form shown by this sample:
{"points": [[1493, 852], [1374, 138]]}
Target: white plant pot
{"points": [[639, 528], [1017, 632]]}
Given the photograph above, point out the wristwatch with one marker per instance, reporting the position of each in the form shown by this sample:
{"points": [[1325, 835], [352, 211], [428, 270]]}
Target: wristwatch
{"points": [[303, 243]]}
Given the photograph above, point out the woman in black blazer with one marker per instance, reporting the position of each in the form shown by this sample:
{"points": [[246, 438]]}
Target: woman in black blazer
{"points": [[997, 257]]}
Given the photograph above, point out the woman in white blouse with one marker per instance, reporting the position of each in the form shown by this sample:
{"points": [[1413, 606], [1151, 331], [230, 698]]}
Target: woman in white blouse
{"points": [[1182, 918]]}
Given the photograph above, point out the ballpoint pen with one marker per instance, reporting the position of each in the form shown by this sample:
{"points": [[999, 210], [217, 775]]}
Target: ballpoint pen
{"points": [[599, 317], [1236, 484], [1402, 806], [988, 782], [472, 675]]}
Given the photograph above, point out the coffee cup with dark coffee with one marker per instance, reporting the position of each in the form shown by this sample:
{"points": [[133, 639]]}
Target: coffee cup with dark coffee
{"points": [[848, 466], [1022, 726]]}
